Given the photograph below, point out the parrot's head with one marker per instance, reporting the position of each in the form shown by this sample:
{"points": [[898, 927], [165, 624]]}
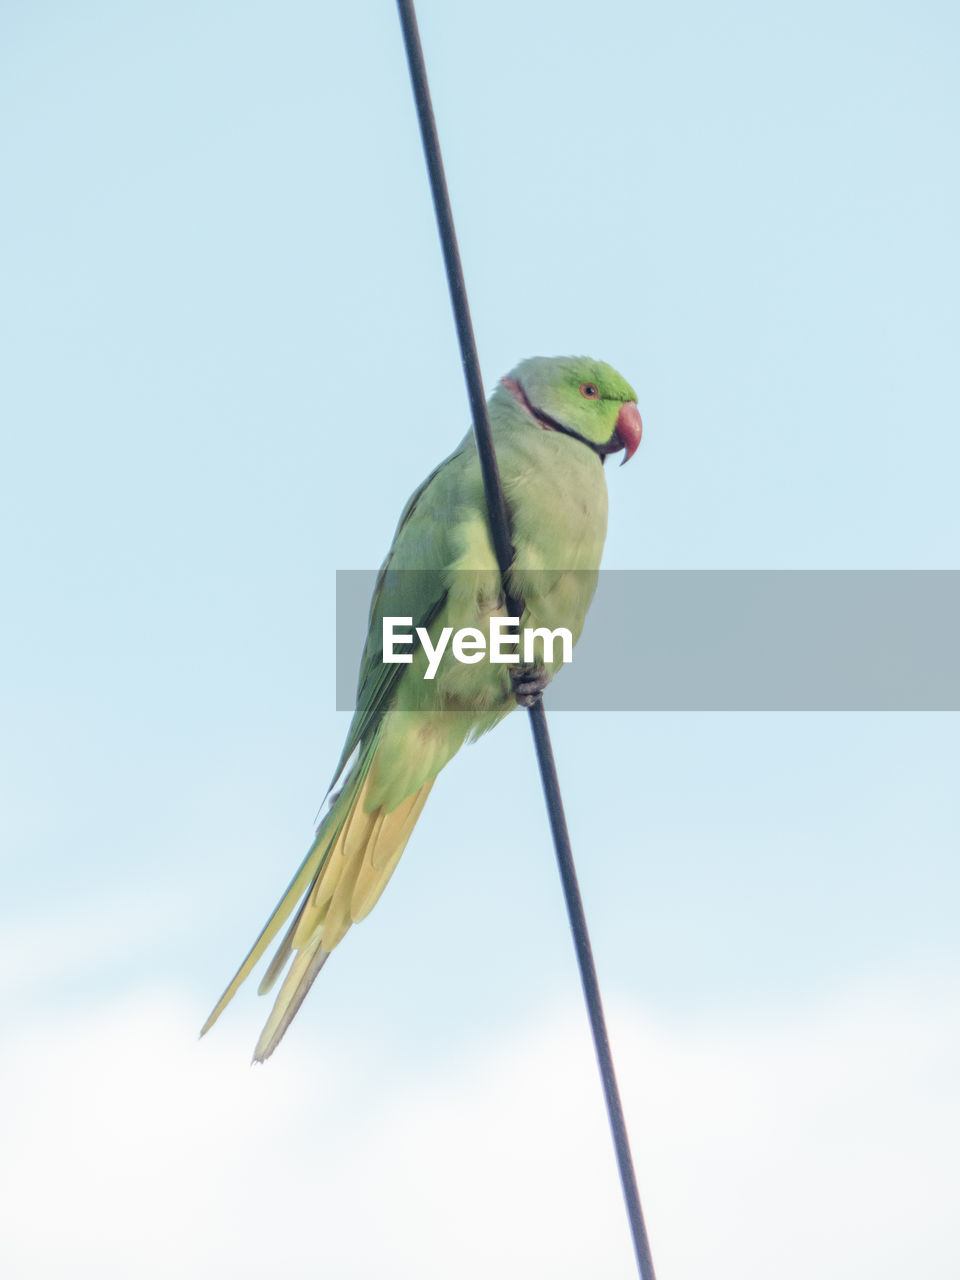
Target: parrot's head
{"points": [[582, 398]]}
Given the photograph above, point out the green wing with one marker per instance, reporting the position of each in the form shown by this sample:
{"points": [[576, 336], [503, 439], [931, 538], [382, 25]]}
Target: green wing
{"points": [[412, 583]]}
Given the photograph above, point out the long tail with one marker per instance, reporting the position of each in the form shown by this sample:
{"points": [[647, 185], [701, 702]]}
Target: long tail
{"points": [[341, 878]]}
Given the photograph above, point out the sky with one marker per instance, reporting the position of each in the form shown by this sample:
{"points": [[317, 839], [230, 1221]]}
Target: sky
{"points": [[228, 358]]}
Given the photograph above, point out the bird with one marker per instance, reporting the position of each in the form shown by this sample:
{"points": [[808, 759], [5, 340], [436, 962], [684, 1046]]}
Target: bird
{"points": [[554, 421]]}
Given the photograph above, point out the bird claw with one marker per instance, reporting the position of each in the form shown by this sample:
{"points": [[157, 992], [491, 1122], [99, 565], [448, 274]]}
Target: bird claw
{"points": [[529, 684]]}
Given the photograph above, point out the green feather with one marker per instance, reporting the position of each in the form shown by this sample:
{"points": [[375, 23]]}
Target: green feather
{"points": [[550, 420]]}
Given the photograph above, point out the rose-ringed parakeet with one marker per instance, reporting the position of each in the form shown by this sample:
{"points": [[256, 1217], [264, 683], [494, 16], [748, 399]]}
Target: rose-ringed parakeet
{"points": [[553, 421]]}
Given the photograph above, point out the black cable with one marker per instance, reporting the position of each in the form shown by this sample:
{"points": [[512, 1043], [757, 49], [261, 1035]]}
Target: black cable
{"points": [[496, 504], [503, 545], [591, 987]]}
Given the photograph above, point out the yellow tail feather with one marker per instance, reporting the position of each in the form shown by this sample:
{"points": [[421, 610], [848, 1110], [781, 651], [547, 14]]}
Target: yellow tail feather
{"points": [[296, 984], [383, 852], [354, 855], [304, 878], [270, 930], [361, 859]]}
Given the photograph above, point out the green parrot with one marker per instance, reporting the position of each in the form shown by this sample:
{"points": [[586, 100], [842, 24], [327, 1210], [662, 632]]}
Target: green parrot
{"points": [[554, 421]]}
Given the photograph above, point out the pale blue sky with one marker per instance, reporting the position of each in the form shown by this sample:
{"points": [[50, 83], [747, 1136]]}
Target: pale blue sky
{"points": [[228, 359]]}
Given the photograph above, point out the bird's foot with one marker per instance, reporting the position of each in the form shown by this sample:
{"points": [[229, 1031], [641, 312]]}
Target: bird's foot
{"points": [[529, 684]]}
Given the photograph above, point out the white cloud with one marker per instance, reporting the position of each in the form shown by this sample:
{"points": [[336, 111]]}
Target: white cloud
{"points": [[822, 1143]]}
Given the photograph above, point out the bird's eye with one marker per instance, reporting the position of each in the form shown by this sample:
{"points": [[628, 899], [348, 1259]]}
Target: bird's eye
{"points": [[589, 390]]}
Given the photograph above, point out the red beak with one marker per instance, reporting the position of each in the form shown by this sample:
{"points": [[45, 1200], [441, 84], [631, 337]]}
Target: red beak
{"points": [[629, 429]]}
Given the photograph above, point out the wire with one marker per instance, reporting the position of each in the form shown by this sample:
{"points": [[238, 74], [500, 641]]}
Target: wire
{"points": [[496, 503], [503, 545]]}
